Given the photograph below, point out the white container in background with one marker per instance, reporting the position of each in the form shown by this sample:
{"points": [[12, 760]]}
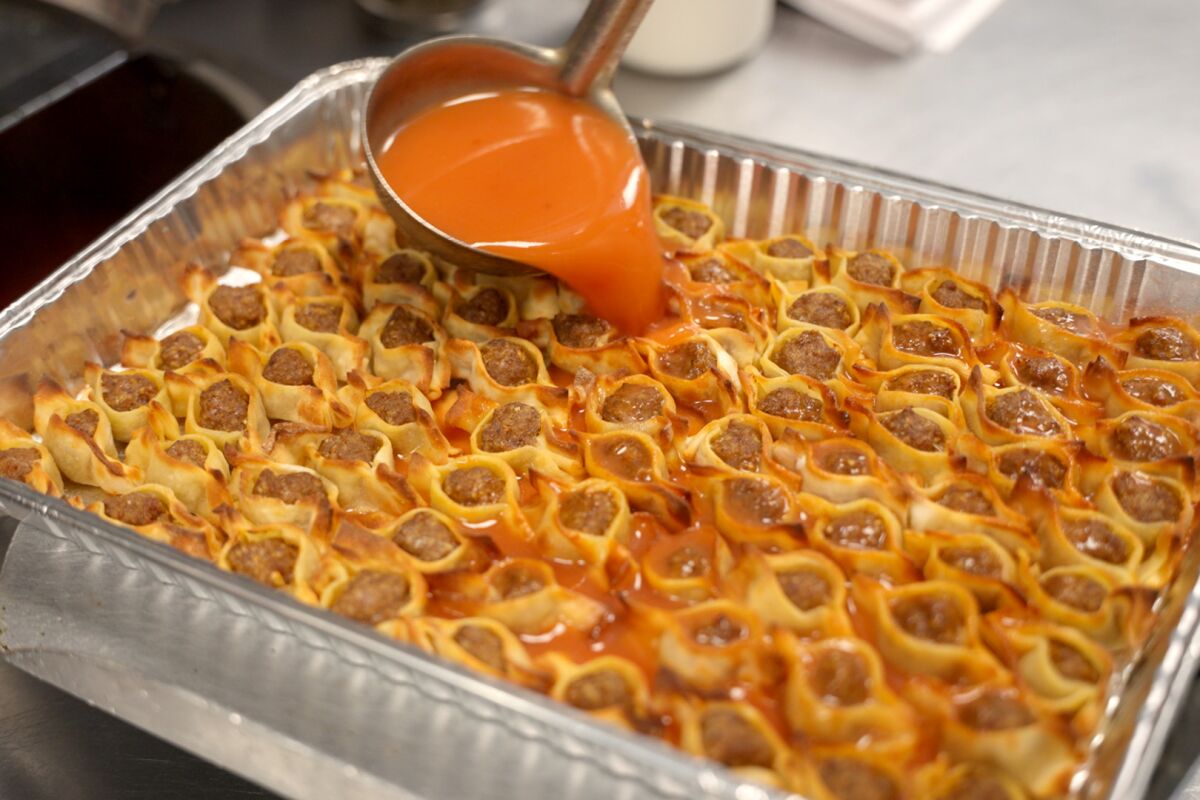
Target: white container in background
{"points": [[901, 26], [693, 37]]}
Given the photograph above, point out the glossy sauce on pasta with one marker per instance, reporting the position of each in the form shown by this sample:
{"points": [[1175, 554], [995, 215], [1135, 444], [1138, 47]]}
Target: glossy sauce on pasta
{"points": [[543, 179]]}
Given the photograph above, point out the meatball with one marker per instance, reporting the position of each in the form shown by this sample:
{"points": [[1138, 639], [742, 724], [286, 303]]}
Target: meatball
{"points": [[719, 632], [807, 354], [405, 327], [1045, 373], [1139, 439], [710, 270], [967, 499], [687, 361], [995, 710], [951, 295], [1077, 591], [788, 403], [1067, 320], [1166, 344], [223, 407], [587, 511], [755, 501], [125, 392], [508, 363], [373, 596], [625, 457], [692, 224], [319, 317], [871, 268], [17, 462], [844, 461], [821, 308], [1042, 468], [290, 487], [916, 431], [271, 562], [394, 408], [580, 330], [179, 349], [973, 560], [840, 677], [335, 218], [923, 338], [474, 486], [188, 450], [401, 267], [85, 422], [1071, 663], [688, 561], [788, 247], [805, 588], [1096, 539], [486, 307], [926, 381], [604, 688], [1023, 413], [740, 446], [349, 445], [239, 307], [1154, 391], [288, 368], [720, 312], [137, 508], [730, 739], [516, 581], [851, 779], [632, 402], [483, 644], [425, 537], [295, 261], [932, 617], [858, 530], [512, 425], [1145, 499], [976, 785]]}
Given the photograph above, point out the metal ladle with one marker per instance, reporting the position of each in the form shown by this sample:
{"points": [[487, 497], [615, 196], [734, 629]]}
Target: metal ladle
{"points": [[456, 66]]}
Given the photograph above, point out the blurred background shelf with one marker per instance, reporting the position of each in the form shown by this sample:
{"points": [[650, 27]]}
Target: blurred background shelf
{"points": [[1086, 106]]}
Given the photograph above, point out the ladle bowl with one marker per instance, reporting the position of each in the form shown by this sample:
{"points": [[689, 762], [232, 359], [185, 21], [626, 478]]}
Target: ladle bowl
{"points": [[457, 66]]}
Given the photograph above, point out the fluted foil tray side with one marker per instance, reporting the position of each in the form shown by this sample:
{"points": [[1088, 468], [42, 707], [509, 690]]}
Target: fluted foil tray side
{"points": [[313, 706]]}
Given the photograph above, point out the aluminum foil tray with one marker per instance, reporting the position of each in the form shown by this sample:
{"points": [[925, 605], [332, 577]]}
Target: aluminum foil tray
{"points": [[312, 706]]}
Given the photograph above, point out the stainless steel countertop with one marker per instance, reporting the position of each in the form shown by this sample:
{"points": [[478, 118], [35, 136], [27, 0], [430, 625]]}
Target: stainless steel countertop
{"points": [[1085, 106]]}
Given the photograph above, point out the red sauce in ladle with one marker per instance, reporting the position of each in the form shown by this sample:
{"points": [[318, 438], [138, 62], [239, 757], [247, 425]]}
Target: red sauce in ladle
{"points": [[543, 179]]}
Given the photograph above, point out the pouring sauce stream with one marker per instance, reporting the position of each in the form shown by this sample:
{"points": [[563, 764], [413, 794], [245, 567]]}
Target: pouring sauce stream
{"points": [[540, 178]]}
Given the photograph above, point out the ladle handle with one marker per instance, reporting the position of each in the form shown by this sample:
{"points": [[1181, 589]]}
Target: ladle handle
{"points": [[596, 44]]}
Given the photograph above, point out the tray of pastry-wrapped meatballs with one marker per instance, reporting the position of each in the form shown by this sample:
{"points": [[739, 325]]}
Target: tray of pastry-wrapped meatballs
{"points": [[896, 501]]}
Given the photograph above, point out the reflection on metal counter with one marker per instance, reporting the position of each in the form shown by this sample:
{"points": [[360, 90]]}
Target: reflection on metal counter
{"points": [[1034, 106], [53, 745]]}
